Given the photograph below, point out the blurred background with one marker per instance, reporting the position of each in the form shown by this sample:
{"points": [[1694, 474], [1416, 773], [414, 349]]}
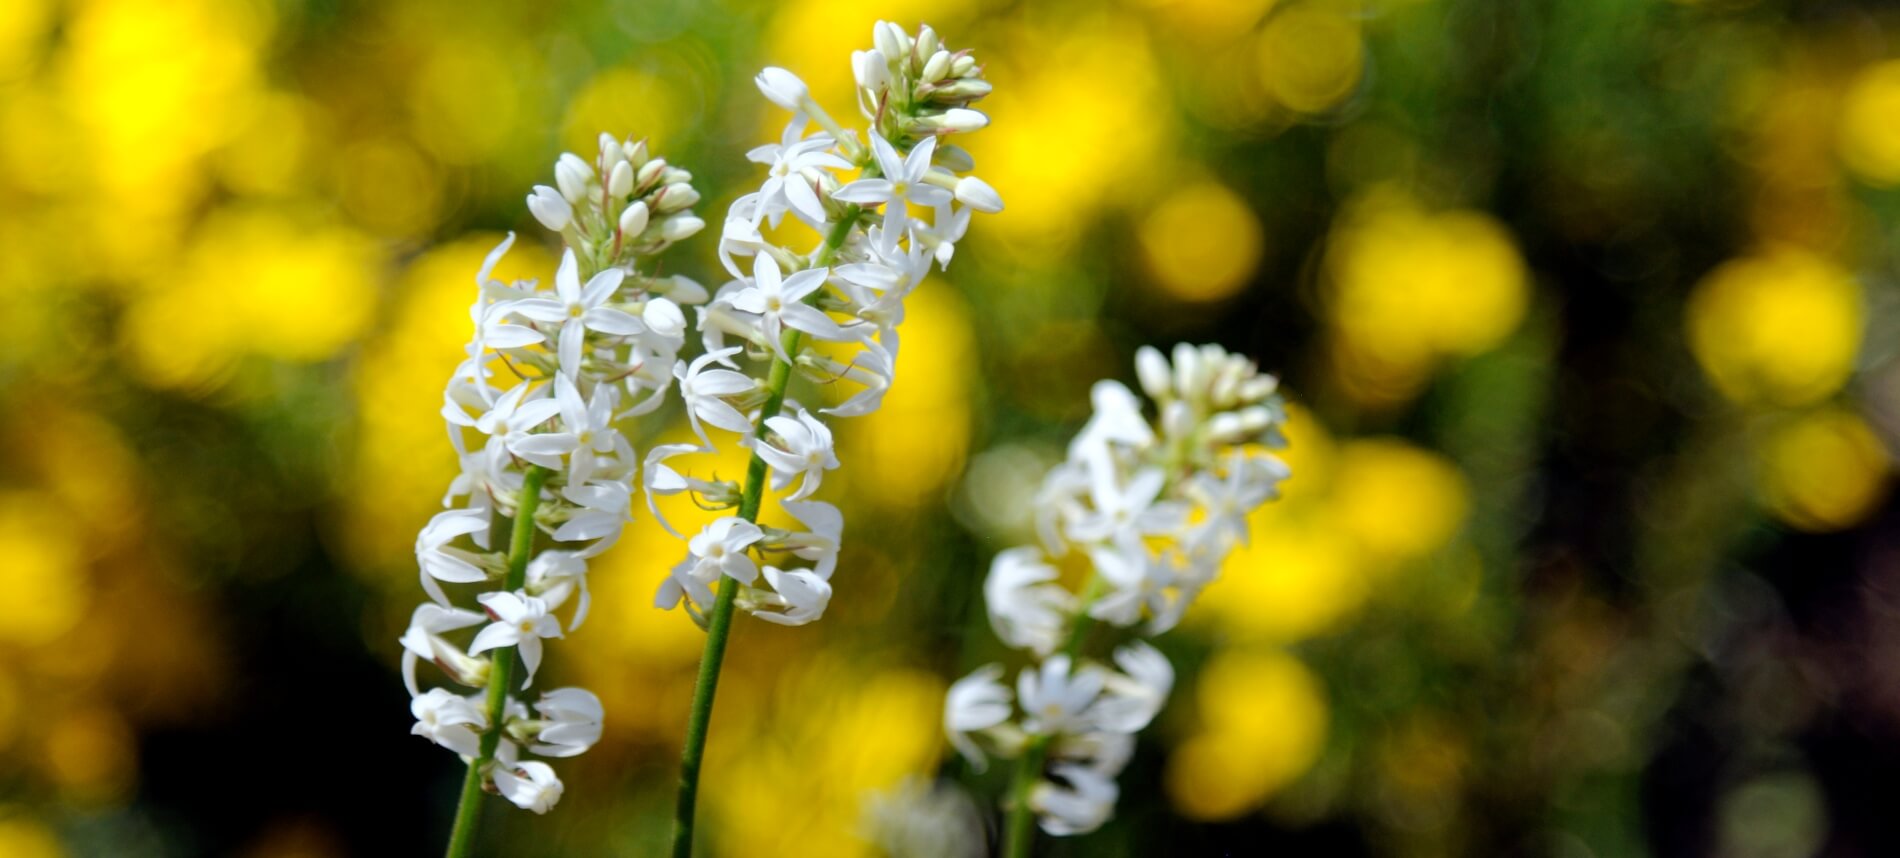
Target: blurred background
{"points": [[1588, 312]]}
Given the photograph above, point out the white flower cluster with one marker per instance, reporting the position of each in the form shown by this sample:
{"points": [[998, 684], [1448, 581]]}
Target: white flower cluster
{"points": [[1152, 510], [599, 346], [830, 315]]}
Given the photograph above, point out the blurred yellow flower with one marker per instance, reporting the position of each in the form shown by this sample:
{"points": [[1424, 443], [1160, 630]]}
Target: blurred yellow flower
{"points": [[625, 103], [91, 754], [797, 784], [1780, 327], [909, 450], [1409, 287], [1869, 135], [46, 569], [389, 186], [1825, 470], [465, 100], [1298, 577], [1310, 56], [1264, 717], [1212, 20], [21, 837], [253, 282], [1399, 501], [23, 28], [1202, 242]]}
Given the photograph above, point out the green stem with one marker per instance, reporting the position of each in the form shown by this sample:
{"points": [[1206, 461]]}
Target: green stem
{"points": [[502, 667], [1019, 835], [719, 620]]}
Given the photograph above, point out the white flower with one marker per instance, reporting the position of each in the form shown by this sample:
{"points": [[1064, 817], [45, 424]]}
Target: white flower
{"points": [[824, 532], [437, 563], [785, 186], [801, 594], [974, 703], [718, 549], [1251, 480], [1026, 608], [530, 785], [900, 186], [550, 208], [574, 716], [783, 88], [1117, 419], [572, 175], [449, 720], [423, 639], [779, 303], [1135, 582], [1133, 697], [702, 388], [601, 515], [806, 451], [1056, 701], [659, 478], [507, 424], [1125, 512], [580, 308], [1078, 804], [520, 622], [555, 575]]}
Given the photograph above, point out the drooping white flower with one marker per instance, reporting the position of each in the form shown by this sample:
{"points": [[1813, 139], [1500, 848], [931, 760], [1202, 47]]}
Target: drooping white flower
{"points": [[423, 640], [440, 564], [530, 785], [1131, 698], [798, 596], [520, 622], [804, 449], [550, 208], [573, 717], [823, 534], [783, 88], [1026, 607], [449, 720], [512, 418], [1077, 800], [702, 389], [975, 703], [555, 575]]}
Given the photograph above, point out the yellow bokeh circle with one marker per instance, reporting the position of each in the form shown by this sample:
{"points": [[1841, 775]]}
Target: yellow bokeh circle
{"points": [[1824, 471], [1202, 243], [1781, 327], [1869, 133]]}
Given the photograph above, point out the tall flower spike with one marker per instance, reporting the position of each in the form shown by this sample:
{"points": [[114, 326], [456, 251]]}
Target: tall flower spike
{"points": [[545, 467], [1154, 508], [879, 232]]}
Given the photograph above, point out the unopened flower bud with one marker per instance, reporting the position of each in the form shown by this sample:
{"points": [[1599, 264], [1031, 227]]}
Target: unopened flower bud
{"points": [[782, 88], [649, 172], [609, 151], [620, 183], [681, 228], [1258, 388], [572, 174], [936, 67], [977, 194], [963, 66], [871, 69], [548, 207], [890, 40], [953, 121], [636, 152], [676, 198], [1177, 418], [1152, 369], [928, 43], [961, 91], [633, 219], [664, 317]]}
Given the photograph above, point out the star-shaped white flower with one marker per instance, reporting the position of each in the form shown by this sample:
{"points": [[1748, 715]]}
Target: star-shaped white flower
{"points": [[449, 720], [779, 302], [1056, 700], [785, 186], [900, 185], [578, 308], [507, 424], [520, 622], [703, 391]]}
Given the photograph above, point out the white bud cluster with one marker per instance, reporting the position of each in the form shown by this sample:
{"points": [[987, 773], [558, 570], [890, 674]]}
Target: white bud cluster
{"points": [[599, 346], [1154, 508], [761, 327]]}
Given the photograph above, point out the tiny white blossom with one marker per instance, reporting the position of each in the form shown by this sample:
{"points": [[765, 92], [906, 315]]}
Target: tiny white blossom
{"points": [[804, 450], [530, 785], [423, 639], [449, 720], [900, 186], [574, 717], [721, 548], [1078, 804], [579, 308], [702, 390], [520, 622], [975, 703], [1056, 700], [779, 303], [550, 208], [1027, 609], [798, 597]]}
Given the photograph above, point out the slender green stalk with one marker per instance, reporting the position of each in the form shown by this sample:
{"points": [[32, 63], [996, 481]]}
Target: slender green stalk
{"points": [[719, 619], [502, 670], [1018, 834]]}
